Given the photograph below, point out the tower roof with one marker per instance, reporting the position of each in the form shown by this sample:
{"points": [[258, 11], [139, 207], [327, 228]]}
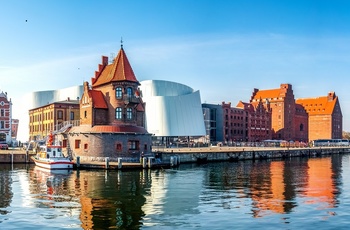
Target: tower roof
{"points": [[119, 70]]}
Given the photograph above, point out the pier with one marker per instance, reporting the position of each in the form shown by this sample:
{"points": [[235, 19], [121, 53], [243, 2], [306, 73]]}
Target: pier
{"points": [[170, 157]]}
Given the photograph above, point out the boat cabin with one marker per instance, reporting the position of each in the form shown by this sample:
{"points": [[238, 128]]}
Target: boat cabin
{"points": [[50, 151]]}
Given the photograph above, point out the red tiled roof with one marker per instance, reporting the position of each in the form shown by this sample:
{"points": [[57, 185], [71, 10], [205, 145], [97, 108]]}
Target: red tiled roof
{"points": [[271, 93], [119, 70], [98, 99], [318, 105]]}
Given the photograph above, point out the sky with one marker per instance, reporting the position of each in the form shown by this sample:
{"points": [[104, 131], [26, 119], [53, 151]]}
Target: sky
{"points": [[222, 48]]}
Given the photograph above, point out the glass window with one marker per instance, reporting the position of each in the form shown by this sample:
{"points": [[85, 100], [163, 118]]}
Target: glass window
{"points": [[129, 113], [133, 145], [59, 114], [129, 91], [118, 113], [118, 92], [2, 112], [72, 115]]}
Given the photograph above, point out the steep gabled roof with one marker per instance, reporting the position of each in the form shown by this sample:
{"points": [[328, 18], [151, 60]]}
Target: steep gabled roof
{"points": [[119, 70], [319, 105], [98, 100]]}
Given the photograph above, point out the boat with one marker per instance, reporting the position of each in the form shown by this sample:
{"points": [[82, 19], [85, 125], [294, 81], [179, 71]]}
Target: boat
{"points": [[50, 156]]}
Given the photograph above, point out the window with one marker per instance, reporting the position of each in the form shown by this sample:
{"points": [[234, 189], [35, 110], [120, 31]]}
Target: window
{"points": [[118, 92], [129, 91], [85, 146], [133, 145], [71, 115], [119, 147], [64, 144], [129, 113], [60, 114], [118, 113], [301, 127], [2, 124], [2, 112], [77, 144], [85, 114]]}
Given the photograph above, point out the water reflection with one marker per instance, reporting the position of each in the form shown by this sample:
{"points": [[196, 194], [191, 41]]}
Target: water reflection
{"points": [[5, 189], [181, 197]]}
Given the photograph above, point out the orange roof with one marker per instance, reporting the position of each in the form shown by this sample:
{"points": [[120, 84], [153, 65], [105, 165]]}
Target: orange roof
{"points": [[119, 70], [98, 100], [318, 105], [271, 93]]}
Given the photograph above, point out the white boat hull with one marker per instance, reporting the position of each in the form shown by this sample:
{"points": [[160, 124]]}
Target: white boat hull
{"points": [[58, 163]]}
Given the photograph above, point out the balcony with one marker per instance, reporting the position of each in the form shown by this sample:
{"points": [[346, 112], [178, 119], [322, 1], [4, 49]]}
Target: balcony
{"points": [[130, 99]]}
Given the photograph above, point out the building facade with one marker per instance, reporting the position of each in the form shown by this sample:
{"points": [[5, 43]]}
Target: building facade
{"points": [[258, 121], [112, 115], [325, 116], [14, 128], [52, 117], [235, 119], [213, 120], [282, 104], [5, 119]]}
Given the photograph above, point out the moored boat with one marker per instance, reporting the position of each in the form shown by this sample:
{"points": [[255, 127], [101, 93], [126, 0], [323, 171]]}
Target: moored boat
{"points": [[51, 157]]}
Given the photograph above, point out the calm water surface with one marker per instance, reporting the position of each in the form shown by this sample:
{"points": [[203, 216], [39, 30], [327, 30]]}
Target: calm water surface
{"points": [[298, 193]]}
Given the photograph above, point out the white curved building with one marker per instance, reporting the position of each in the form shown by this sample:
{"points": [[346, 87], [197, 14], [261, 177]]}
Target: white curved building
{"points": [[41, 98], [172, 109]]}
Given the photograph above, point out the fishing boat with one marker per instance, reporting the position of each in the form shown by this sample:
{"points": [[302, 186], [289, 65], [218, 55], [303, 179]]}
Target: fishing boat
{"points": [[50, 156]]}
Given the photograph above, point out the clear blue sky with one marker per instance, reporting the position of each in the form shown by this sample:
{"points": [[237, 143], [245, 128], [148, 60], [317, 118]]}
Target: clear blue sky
{"points": [[225, 49]]}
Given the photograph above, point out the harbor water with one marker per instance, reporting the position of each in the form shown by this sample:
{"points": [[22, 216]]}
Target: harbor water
{"points": [[293, 193]]}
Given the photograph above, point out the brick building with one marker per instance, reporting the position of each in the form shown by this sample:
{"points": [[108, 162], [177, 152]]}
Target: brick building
{"points": [[111, 115], [234, 123], [52, 117], [258, 121], [325, 116], [5, 118], [289, 121]]}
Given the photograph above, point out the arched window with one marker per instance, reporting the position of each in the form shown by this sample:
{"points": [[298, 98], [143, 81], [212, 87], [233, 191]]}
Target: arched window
{"points": [[129, 113], [129, 91], [118, 92], [118, 113]]}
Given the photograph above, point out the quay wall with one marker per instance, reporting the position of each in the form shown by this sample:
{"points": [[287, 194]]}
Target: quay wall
{"points": [[21, 157], [178, 156], [226, 154]]}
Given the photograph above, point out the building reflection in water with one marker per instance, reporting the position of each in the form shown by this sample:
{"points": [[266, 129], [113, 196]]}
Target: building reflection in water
{"points": [[130, 199], [276, 185], [5, 189]]}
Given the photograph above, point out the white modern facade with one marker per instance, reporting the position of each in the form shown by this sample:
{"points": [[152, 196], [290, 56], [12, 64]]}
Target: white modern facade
{"points": [[172, 109], [41, 98]]}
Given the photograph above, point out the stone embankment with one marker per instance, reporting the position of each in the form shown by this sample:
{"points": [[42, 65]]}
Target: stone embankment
{"points": [[191, 155], [174, 156]]}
